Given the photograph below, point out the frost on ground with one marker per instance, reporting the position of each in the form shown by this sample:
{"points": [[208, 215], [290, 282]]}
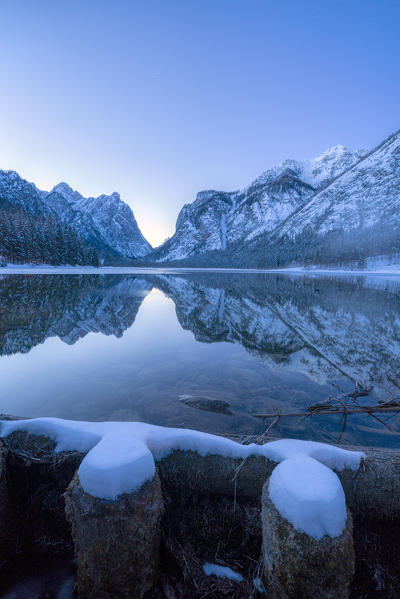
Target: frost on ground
{"points": [[120, 458], [221, 572]]}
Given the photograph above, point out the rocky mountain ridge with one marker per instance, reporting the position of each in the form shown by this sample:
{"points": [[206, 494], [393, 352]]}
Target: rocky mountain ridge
{"points": [[337, 209], [105, 223], [217, 219], [359, 198]]}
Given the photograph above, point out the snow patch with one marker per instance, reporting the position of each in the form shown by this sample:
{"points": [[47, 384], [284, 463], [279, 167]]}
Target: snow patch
{"points": [[221, 572]]}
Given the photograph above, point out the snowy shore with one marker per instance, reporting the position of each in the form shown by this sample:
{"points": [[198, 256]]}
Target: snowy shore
{"points": [[123, 494], [47, 269]]}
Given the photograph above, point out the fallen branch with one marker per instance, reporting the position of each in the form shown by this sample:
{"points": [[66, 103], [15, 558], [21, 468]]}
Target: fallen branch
{"points": [[366, 410]]}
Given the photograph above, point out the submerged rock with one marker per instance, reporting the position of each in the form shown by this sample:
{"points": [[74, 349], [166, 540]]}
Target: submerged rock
{"points": [[116, 542], [297, 565], [206, 403]]}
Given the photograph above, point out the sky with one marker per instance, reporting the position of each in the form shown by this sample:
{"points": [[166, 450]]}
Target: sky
{"points": [[159, 99]]}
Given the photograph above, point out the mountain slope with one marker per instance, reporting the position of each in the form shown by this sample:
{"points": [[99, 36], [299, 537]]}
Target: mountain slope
{"points": [[355, 217], [104, 220], [17, 193], [105, 223], [365, 195], [218, 219]]}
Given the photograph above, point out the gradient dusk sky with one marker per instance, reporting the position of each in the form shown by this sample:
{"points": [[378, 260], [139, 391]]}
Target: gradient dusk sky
{"points": [[160, 99]]}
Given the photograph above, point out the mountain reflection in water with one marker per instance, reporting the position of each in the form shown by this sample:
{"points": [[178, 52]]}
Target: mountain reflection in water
{"points": [[260, 342]]}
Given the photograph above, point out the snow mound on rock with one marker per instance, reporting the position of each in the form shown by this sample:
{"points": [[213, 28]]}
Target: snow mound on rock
{"points": [[310, 496], [120, 458]]}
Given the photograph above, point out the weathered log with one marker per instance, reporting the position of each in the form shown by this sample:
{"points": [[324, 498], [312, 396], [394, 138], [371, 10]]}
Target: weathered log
{"points": [[371, 491]]}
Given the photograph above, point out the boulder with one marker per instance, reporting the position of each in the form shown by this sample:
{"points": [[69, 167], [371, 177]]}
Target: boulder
{"points": [[297, 565], [116, 542]]}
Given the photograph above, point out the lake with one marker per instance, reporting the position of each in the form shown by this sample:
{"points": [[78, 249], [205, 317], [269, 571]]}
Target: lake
{"points": [[146, 345]]}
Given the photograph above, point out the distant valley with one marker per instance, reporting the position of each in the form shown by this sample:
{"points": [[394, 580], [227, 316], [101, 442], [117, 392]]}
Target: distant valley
{"points": [[338, 209]]}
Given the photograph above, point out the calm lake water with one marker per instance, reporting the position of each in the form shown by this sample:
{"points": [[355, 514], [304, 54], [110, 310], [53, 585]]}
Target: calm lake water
{"points": [[135, 347]]}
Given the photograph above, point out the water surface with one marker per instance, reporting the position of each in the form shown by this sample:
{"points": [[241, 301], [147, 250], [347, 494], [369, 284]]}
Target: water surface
{"points": [[132, 347]]}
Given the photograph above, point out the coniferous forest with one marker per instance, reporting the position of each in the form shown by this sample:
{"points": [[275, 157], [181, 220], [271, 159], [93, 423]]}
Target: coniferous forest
{"points": [[41, 240]]}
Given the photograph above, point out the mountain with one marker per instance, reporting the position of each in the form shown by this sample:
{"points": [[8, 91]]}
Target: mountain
{"points": [[105, 223], [355, 217], [365, 195], [17, 193], [219, 219], [30, 232]]}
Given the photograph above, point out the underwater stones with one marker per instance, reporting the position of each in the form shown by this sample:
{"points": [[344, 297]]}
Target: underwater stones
{"points": [[116, 542], [298, 565]]}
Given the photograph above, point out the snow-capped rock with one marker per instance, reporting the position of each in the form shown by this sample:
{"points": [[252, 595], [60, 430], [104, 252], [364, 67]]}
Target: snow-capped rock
{"points": [[218, 219]]}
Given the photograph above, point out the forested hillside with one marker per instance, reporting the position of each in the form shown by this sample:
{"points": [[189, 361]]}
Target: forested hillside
{"points": [[42, 239]]}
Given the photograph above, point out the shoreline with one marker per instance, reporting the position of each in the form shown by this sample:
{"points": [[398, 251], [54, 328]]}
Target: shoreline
{"points": [[104, 270]]}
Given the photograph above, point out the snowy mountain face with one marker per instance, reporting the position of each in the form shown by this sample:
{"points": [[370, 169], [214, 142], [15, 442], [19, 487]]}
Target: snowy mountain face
{"points": [[105, 222], [18, 193], [218, 219], [366, 195]]}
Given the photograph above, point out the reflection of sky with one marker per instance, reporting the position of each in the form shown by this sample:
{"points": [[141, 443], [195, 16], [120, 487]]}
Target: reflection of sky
{"points": [[52, 366], [158, 100], [154, 362], [141, 375]]}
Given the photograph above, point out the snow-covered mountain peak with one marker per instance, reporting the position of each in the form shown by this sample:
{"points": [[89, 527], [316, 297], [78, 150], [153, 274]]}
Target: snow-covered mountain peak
{"points": [[331, 163], [66, 191], [318, 171], [63, 188], [363, 197], [333, 152]]}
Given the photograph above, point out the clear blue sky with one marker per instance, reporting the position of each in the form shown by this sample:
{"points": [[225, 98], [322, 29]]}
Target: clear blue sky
{"points": [[160, 99]]}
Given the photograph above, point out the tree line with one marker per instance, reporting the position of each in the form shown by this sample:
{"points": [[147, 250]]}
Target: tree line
{"points": [[338, 248], [41, 240]]}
